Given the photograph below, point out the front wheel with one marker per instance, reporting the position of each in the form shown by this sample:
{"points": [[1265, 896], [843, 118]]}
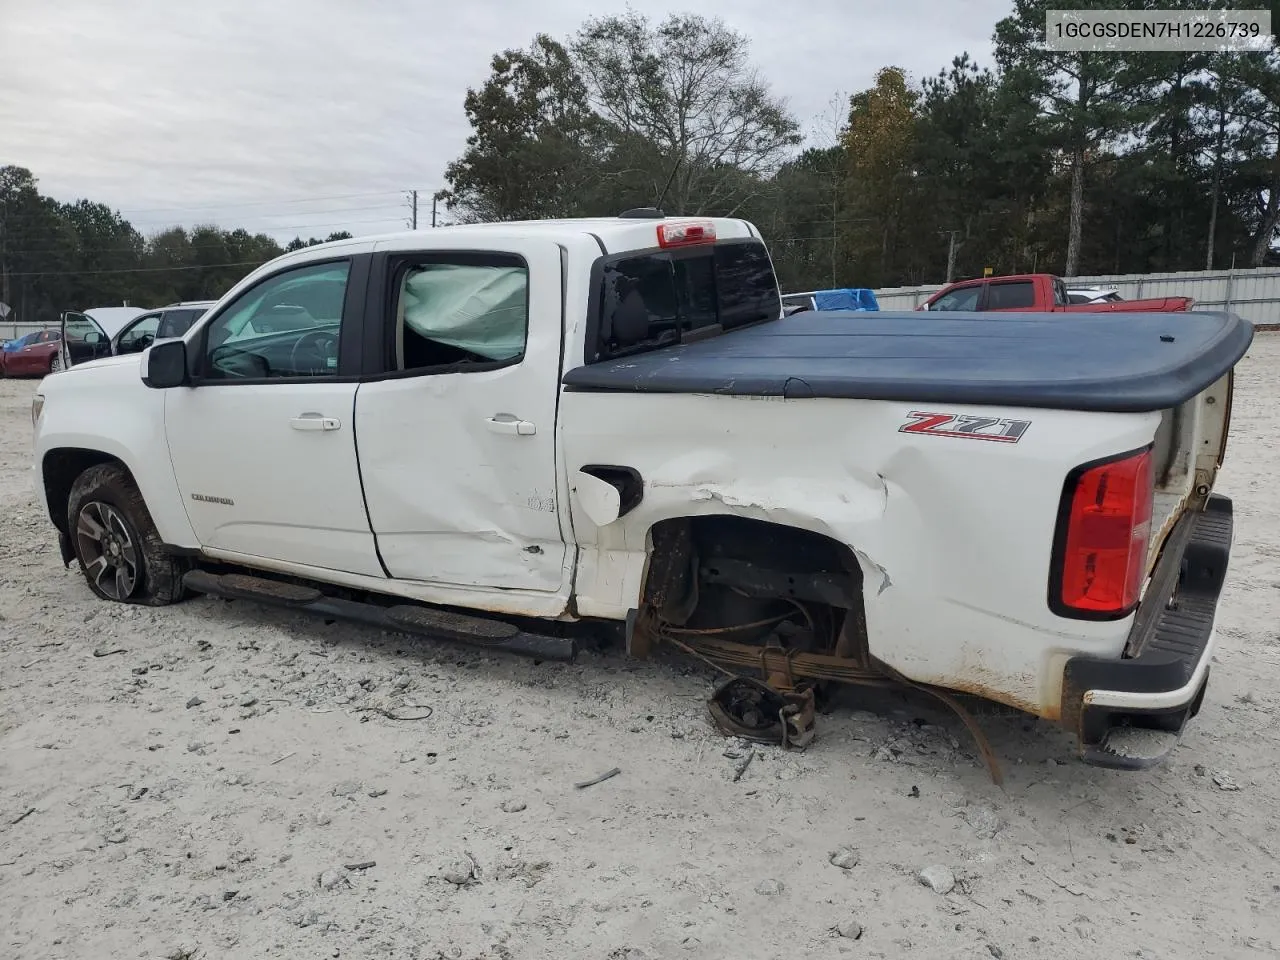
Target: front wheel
{"points": [[120, 551], [55, 363]]}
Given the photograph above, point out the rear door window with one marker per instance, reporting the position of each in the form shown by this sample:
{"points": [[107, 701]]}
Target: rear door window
{"points": [[655, 299]]}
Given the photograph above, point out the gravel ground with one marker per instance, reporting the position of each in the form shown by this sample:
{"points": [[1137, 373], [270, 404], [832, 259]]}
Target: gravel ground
{"points": [[213, 787]]}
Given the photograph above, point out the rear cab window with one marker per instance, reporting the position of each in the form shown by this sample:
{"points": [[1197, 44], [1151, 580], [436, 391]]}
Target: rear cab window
{"points": [[656, 298], [175, 323], [1011, 295]]}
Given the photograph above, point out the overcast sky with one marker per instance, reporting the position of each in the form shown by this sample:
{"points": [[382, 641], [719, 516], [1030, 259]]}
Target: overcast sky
{"points": [[307, 116]]}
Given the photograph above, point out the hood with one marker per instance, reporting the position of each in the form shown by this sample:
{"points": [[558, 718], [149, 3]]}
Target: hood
{"points": [[123, 360], [129, 364], [113, 319], [113, 372]]}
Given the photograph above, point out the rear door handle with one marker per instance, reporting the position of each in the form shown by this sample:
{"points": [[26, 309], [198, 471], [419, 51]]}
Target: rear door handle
{"points": [[510, 425], [314, 421]]}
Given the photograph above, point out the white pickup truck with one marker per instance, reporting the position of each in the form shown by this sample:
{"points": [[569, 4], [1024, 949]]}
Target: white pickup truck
{"points": [[492, 433]]}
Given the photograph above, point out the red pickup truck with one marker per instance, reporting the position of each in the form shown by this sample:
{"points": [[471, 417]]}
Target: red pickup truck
{"points": [[1037, 293]]}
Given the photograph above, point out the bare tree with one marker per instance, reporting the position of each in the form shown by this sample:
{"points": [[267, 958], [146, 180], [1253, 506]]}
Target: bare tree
{"points": [[687, 87]]}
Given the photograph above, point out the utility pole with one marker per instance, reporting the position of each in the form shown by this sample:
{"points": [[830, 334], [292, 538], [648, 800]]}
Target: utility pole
{"points": [[4, 258], [415, 210], [434, 198]]}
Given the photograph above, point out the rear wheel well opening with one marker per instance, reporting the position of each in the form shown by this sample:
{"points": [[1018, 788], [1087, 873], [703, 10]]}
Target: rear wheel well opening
{"points": [[750, 582], [59, 470]]}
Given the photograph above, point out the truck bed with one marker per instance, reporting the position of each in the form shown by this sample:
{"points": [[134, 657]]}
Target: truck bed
{"points": [[1129, 362]]}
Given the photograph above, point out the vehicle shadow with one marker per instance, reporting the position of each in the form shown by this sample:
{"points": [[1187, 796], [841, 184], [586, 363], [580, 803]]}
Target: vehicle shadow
{"points": [[899, 730]]}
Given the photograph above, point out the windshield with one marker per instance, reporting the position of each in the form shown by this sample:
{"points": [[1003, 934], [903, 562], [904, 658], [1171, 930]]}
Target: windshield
{"points": [[655, 299]]}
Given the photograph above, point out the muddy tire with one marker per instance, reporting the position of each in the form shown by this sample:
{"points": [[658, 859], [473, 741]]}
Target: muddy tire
{"points": [[116, 543]]}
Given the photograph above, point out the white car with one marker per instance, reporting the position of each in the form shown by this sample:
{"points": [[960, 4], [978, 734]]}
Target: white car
{"points": [[85, 335], [1093, 295], [558, 425]]}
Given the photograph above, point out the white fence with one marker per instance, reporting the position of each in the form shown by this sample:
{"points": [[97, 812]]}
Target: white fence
{"points": [[11, 331], [1253, 294]]}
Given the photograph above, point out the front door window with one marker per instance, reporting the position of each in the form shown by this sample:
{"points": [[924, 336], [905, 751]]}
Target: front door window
{"points": [[138, 335], [966, 298], [286, 327]]}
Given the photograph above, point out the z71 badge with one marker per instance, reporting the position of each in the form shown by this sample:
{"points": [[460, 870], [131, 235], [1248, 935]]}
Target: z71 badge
{"points": [[965, 426]]}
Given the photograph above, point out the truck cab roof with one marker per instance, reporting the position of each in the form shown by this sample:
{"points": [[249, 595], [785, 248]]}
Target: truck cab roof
{"points": [[612, 234]]}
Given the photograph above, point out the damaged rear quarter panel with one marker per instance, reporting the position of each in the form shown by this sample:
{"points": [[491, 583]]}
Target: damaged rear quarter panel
{"points": [[953, 535]]}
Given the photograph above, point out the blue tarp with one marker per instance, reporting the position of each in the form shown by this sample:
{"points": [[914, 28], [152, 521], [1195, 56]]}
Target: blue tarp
{"points": [[848, 299]]}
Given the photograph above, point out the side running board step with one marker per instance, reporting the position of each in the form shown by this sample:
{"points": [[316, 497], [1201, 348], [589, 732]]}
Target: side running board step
{"points": [[406, 618]]}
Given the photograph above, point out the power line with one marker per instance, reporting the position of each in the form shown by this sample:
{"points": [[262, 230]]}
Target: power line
{"points": [[144, 251], [239, 223], [259, 203], [797, 239], [147, 243], [318, 223], [264, 216], [280, 226], [81, 273], [188, 212]]}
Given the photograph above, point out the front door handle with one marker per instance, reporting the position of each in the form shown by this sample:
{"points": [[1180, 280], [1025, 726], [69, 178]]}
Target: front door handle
{"points": [[315, 421], [510, 425]]}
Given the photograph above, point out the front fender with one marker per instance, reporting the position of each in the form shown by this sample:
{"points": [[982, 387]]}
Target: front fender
{"points": [[107, 410]]}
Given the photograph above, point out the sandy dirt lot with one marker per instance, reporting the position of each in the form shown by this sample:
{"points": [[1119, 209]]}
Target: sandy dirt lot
{"points": [[212, 787]]}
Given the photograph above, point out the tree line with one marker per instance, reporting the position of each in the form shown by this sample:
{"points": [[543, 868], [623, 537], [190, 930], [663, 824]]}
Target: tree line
{"points": [[57, 256], [1074, 163]]}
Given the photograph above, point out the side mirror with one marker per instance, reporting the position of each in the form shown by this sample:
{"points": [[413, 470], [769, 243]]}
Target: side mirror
{"points": [[165, 365], [93, 337]]}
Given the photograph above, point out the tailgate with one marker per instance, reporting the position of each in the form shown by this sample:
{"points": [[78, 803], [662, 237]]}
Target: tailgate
{"points": [[1130, 711]]}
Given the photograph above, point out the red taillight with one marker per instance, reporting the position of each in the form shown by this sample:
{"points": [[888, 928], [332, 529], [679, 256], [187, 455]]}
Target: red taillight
{"points": [[682, 234], [1103, 538]]}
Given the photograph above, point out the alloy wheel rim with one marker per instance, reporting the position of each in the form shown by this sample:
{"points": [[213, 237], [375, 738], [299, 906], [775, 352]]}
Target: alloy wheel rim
{"points": [[108, 550]]}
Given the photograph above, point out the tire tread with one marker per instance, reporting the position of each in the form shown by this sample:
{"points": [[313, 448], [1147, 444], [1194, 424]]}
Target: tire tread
{"points": [[162, 574]]}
